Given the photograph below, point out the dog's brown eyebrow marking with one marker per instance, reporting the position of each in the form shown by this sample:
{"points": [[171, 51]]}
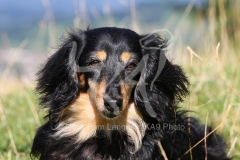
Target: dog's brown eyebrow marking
{"points": [[125, 57], [101, 55]]}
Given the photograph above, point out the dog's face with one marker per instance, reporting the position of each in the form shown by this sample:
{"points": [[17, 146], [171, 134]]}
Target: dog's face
{"points": [[111, 56], [106, 76]]}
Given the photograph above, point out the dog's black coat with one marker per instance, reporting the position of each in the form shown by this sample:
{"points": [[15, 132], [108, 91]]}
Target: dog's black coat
{"points": [[58, 87]]}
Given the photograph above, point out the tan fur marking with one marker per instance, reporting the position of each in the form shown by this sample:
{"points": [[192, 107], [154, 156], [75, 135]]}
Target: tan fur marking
{"points": [[125, 57], [82, 119], [102, 55], [126, 93], [96, 92], [82, 80]]}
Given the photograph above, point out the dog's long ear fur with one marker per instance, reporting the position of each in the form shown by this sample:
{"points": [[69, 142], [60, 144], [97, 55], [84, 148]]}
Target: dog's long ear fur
{"points": [[164, 82], [57, 80]]}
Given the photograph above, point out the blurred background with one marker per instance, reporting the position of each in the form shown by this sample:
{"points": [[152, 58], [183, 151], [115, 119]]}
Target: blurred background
{"points": [[204, 39]]}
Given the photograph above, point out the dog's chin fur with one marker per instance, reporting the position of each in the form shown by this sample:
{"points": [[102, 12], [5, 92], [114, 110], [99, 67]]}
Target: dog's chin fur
{"points": [[81, 120]]}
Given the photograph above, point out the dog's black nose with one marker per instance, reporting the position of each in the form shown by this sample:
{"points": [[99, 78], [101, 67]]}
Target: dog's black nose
{"points": [[112, 104]]}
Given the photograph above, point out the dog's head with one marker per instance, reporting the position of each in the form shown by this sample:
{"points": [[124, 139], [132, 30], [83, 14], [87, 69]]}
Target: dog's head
{"points": [[108, 79]]}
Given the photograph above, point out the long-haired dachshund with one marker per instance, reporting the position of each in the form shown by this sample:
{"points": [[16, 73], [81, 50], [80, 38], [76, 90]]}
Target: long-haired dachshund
{"points": [[111, 94]]}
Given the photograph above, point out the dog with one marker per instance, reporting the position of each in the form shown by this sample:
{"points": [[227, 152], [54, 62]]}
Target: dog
{"points": [[111, 94]]}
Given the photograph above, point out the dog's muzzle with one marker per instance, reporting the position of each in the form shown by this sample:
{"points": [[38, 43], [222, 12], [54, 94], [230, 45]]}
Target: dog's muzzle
{"points": [[113, 107]]}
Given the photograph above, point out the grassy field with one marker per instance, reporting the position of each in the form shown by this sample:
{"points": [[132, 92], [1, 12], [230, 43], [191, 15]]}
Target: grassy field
{"points": [[19, 120], [213, 71]]}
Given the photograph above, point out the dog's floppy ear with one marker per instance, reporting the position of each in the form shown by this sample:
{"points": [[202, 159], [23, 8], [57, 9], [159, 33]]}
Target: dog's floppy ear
{"points": [[160, 81], [57, 80]]}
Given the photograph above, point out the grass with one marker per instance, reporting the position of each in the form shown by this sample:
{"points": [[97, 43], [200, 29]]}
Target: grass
{"points": [[215, 95], [213, 72], [19, 120]]}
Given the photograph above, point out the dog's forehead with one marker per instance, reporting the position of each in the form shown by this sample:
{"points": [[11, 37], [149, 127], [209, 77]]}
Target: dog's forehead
{"points": [[111, 31], [112, 40]]}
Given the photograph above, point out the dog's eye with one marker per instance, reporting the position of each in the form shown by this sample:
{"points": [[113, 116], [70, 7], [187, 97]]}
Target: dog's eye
{"points": [[131, 65], [94, 63]]}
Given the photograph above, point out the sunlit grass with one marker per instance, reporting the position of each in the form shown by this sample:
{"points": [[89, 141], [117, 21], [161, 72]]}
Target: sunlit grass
{"points": [[214, 91], [19, 120]]}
